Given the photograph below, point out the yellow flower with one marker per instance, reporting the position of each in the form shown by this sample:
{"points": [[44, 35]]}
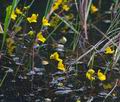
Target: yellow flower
{"points": [[55, 56], [18, 11], [108, 50], [55, 6], [93, 9], [45, 22], [61, 66], [66, 7], [90, 74], [59, 1], [101, 76], [40, 37], [33, 18], [13, 16]]}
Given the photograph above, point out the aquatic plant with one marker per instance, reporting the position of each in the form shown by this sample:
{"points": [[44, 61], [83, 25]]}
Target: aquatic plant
{"points": [[67, 51]]}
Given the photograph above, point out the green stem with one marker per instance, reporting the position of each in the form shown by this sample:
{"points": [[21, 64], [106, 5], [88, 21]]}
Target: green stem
{"points": [[1, 83]]}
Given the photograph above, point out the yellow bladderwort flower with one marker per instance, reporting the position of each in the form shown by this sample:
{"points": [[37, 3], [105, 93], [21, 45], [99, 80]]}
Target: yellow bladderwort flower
{"points": [[45, 22], [40, 37], [56, 4], [13, 16], [101, 76], [18, 11], [93, 9], [90, 74], [65, 7], [59, 1], [61, 65], [33, 18], [55, 56], [108, 50]]}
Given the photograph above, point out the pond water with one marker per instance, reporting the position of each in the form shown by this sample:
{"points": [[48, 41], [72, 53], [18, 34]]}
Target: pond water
{"points": [[44, 83]]}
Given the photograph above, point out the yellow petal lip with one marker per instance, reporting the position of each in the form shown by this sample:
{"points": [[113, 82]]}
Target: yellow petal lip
{"points": [[101, 76], [18, 11], [93, 9], [90, 74], [13, 16], [61, 66], [45, 22], [108, 50], [66, 7], [56, 4], [40, 37], [33, 18], [55, 56]]}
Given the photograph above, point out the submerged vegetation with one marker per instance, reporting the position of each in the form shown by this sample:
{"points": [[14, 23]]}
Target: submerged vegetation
{"points": [[67, 51]]}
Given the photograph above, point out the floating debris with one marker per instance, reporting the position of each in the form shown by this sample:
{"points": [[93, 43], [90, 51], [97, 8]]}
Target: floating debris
{"points": [[9, 70], [61, 78], [63, 40], [63, 91], [60, 48], [31, 72], [31, 94], [37, 100], [13, 81], [38, 69], [107, 21], [45, 62], [22, 77], [48, 100], [102, 94]]}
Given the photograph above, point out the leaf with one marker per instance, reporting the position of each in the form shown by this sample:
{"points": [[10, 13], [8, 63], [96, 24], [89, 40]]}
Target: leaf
{"points": [[7, 21]]}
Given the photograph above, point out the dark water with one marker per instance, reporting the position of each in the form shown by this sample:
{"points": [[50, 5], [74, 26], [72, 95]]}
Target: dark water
{"points": [[38, 85]]}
